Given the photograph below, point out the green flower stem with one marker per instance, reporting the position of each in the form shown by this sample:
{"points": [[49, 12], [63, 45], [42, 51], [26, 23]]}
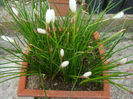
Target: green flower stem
{"points": [[56, 73], [73, 40], [74, 31], [42, 83], [99, 22], [67, 38], [47, 25]]}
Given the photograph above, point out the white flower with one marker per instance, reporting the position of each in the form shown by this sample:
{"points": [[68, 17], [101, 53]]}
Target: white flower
{"points": [[35, 4], [119, 15], [72, 5], [16, 1], [15, 11], [123, 61], [87, 74], [62, 52], [49, 16], [53, 15], [64, 64], [42, 31], [6, 38], [43, 4], [27, 2], [43, 75]]}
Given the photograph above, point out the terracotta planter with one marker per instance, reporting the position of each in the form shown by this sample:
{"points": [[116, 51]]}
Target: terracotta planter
{"points": [[62, 5], [105, 94]]}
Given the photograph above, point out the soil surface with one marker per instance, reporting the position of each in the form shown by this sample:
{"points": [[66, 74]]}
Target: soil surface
{"points": [[34, 82]]}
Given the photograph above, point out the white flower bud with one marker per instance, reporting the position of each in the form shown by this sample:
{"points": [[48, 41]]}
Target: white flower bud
{"points": [[6, 38], [43, 75], [123, 61], [16, 1], [64, 64], [41, 31], [53, 15], [15, 11], [49, 16], [62, 52], [43, 4], [87, 74], [72, 5], [119, 15], [27, 2]]}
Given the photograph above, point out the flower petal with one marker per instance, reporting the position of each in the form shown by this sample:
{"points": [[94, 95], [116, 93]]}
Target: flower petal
{"points": [[87, 74], [6, 38], [48, 16], [42, 31], [15, 11], [123, 61], [64, 64], [62, 52], [119, 15], [72, 5], [53, 15]]}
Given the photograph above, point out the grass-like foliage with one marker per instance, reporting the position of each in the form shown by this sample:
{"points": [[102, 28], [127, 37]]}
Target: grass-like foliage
{"points": [[1, 3], [66, 46]]}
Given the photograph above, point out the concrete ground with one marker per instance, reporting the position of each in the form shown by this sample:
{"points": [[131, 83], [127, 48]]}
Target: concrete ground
{"points": [[8, 90]]}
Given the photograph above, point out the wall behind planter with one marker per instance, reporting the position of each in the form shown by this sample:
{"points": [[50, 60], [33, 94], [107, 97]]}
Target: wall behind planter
{"points": [[62, 5], [117, 5], [120, 5], [128, 3], [96, 5]]}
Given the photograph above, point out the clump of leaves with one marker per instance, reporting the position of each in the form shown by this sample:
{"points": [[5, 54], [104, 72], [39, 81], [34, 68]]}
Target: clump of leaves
{"points": [[69, 46]]}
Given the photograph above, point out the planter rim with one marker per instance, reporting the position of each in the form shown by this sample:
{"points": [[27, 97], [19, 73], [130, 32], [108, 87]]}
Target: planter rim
{"points": [[104, 94], [59, 1]]}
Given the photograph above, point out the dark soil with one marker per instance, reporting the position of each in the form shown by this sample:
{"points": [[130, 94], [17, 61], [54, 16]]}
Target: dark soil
{"points": [[33, 82]]}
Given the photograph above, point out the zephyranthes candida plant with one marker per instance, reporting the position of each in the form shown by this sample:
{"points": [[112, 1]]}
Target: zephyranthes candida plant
{"points": [[58, 46]]}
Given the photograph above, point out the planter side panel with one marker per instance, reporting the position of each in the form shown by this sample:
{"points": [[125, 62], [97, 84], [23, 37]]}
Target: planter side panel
{"points": [[22, 80], [62, 8], [59, 1]]}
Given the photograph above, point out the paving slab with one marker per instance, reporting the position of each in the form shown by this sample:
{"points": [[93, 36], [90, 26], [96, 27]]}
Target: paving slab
{"points": [[8, 89], [117, 93]]}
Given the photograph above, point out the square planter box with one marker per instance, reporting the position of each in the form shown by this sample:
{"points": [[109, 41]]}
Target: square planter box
{"points": [[62, 5], [104, 94]]}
